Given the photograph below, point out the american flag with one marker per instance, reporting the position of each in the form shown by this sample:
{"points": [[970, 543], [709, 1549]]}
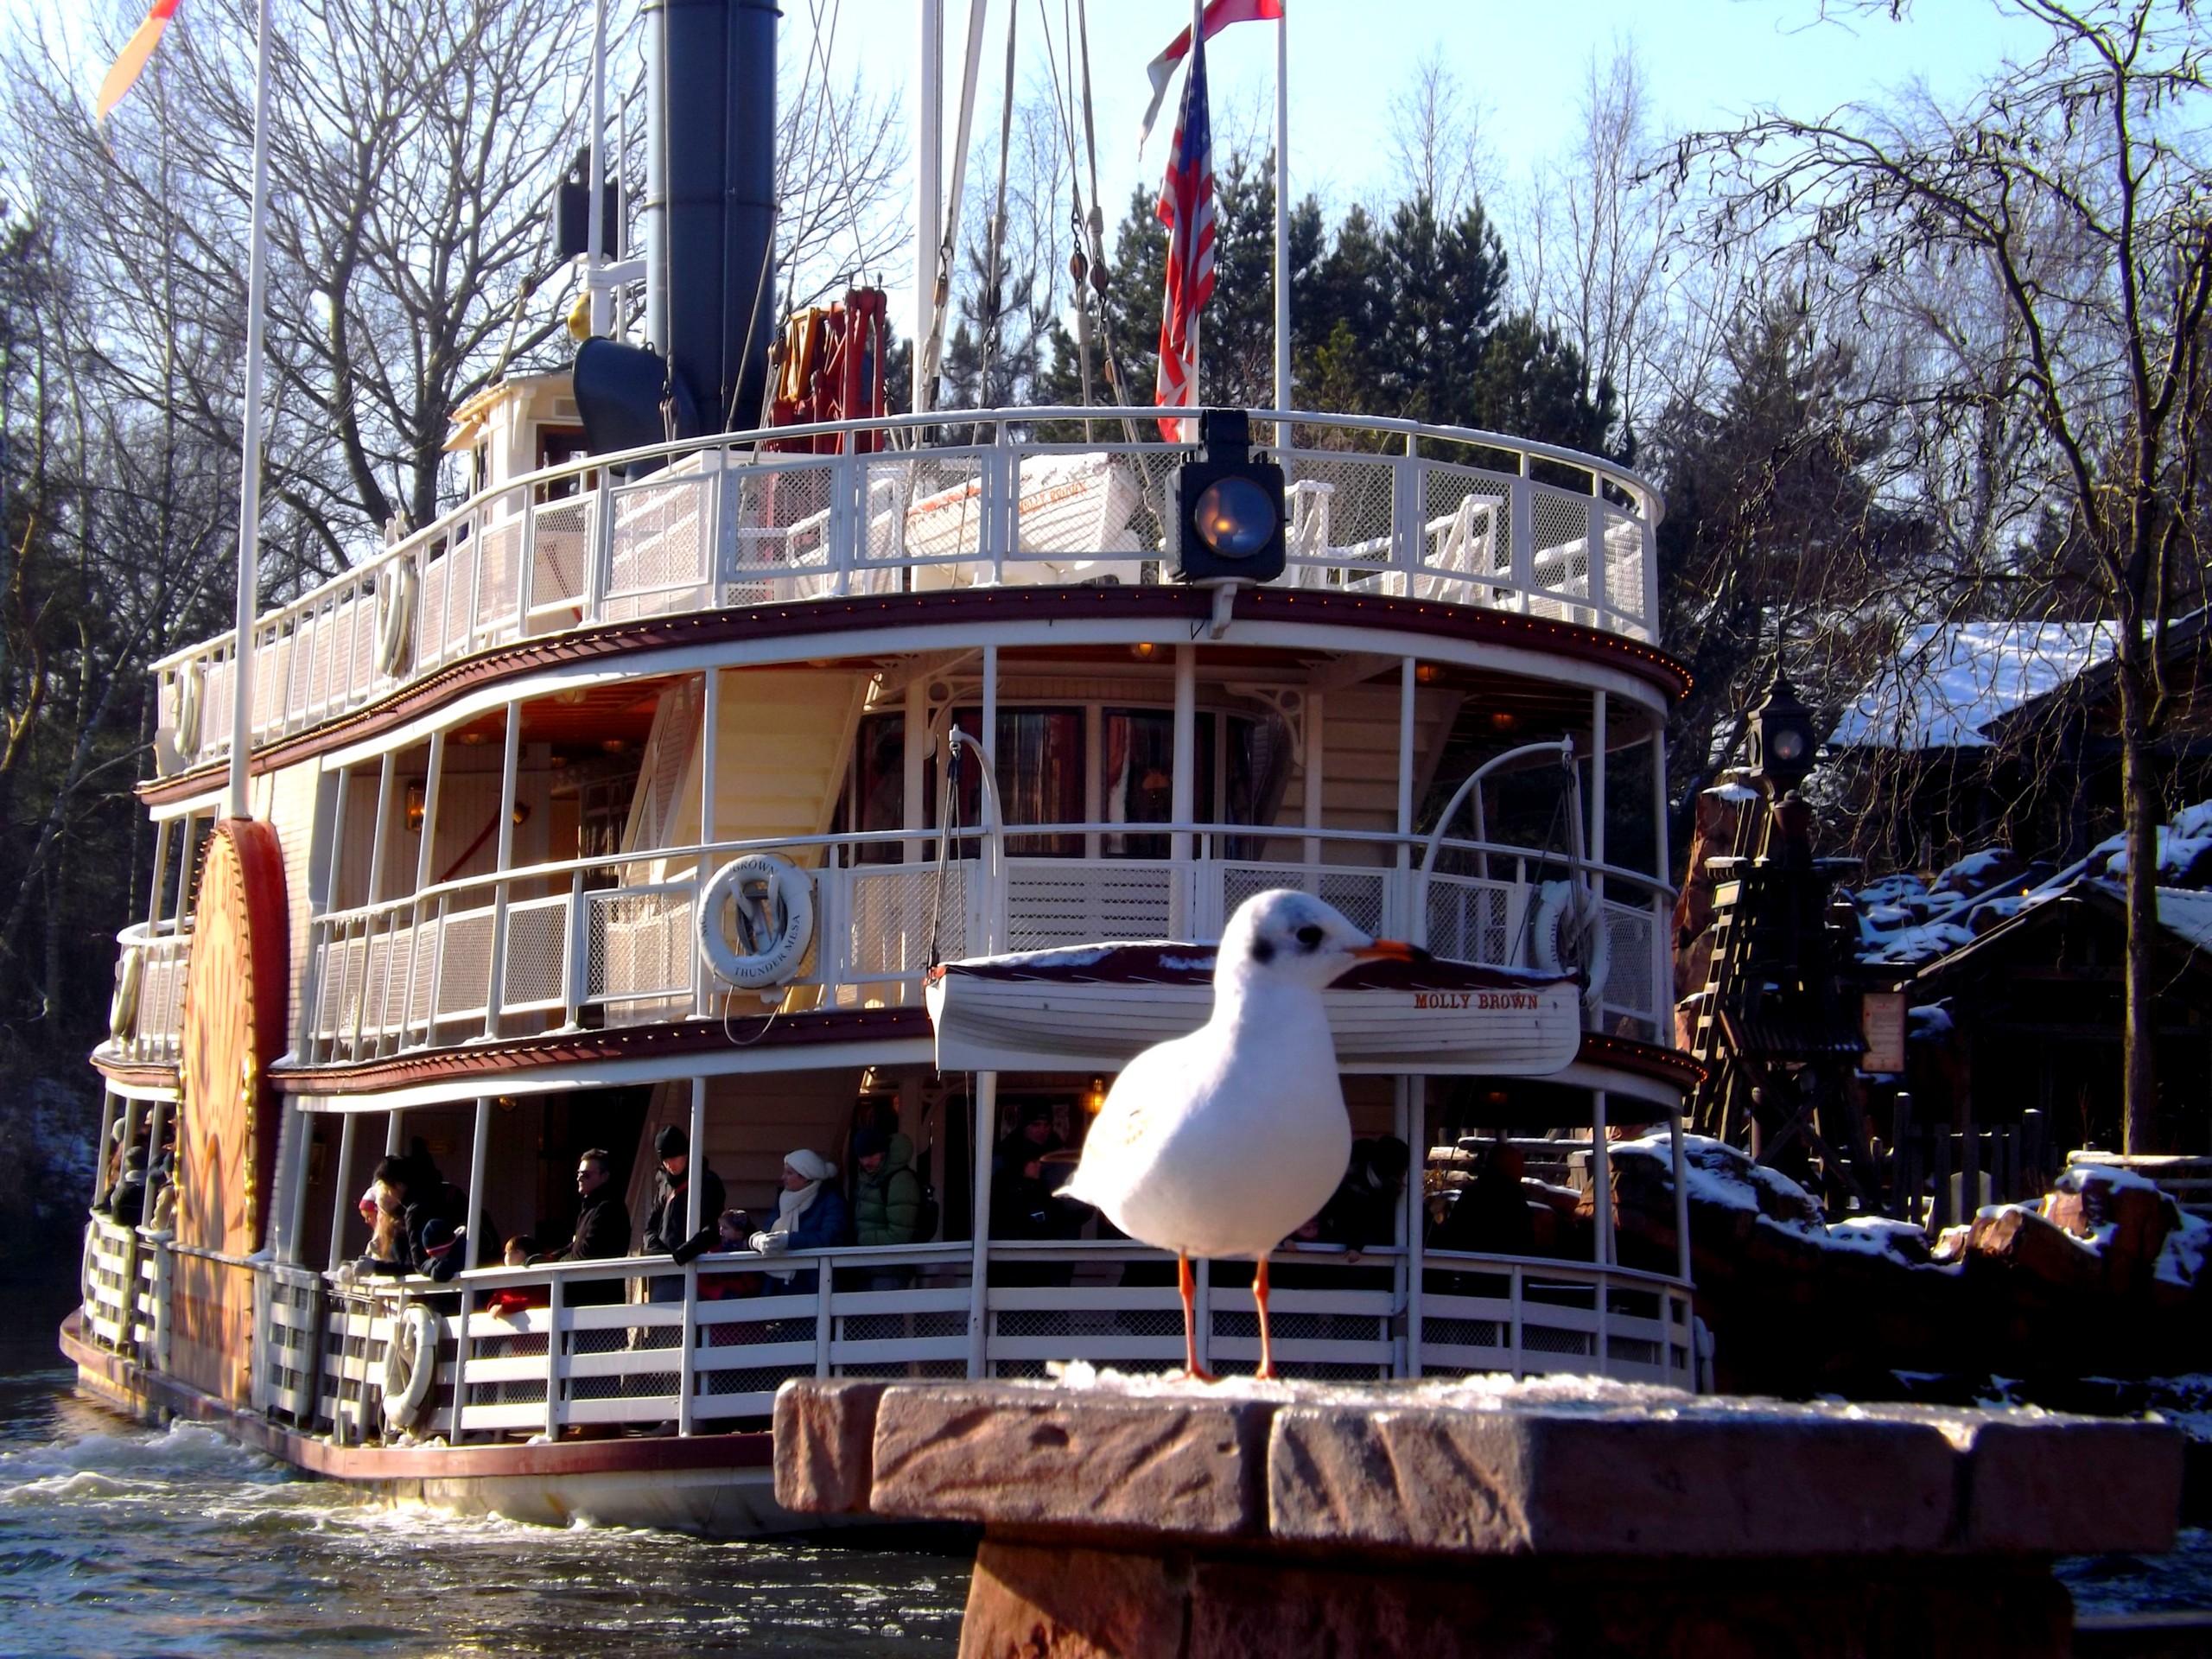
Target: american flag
{"points": [[1186, 208]]}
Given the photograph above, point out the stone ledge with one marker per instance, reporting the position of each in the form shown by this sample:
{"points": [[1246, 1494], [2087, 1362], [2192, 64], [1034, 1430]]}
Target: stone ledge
{"points": [[1483, 1469]]}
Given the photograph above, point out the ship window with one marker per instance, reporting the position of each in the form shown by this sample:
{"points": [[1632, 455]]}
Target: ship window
{"points": [[558, 446], [1039, 756], [875, 794], [1241, 763]]}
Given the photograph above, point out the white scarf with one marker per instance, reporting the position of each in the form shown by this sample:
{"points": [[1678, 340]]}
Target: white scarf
{"points": [[791, 1205]]}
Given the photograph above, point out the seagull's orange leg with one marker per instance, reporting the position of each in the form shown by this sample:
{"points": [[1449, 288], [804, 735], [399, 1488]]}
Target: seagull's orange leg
{"points": [[1260, 1295], [1189, 1285]]}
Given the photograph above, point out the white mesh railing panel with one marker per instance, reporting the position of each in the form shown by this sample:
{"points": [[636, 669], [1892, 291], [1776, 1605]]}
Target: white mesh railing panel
{"points": [[1624, 570], [536, 973], [1562, 562], [560, 562], [1630, 964], [658, 561], [893, 909], [464, 963], [1467, 919], [641, 944], [1466, 537]]}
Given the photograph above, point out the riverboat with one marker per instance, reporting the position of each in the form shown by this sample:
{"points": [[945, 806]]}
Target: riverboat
{"points": [[781, 782]]}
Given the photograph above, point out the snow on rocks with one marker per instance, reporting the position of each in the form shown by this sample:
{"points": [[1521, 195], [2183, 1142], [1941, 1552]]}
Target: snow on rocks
{"points": [[1906, 920]]}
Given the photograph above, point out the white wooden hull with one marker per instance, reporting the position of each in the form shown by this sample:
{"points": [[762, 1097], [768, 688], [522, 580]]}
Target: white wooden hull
{"points": [[1082, 1010]]}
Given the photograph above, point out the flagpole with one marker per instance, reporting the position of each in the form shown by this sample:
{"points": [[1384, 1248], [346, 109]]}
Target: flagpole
{"points": [[598, 301], [1198, 48], [256, 283], [1282, 226]]}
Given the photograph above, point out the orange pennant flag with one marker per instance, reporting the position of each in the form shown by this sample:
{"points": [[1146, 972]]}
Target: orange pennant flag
{"points": [[132, 59]]}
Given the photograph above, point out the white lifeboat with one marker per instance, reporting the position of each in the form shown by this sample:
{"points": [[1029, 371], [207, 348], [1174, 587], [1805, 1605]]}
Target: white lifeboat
{"points": [[1097, 1007]]}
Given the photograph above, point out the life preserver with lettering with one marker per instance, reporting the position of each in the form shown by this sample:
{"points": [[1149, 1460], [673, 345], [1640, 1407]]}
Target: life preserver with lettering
{"points": [[1567, 934], [123, 1007], [410, 1362], [394, 616], [772, 901]]}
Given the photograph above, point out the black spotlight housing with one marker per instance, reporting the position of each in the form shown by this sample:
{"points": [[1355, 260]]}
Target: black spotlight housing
{"points": [[1224, 509]]}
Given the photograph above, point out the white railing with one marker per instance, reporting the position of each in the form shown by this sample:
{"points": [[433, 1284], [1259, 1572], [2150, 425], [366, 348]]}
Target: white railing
{"points": [[415, 972], [124, 1284], [1400, 509], [149, 1023], [590, 1348]]}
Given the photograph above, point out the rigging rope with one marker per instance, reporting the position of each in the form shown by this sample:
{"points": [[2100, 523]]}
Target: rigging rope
{"points": [[993, 309], [933, 349]]}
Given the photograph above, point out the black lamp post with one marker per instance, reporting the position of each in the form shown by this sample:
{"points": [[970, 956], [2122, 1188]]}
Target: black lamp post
{"points": [[1783, 737]]}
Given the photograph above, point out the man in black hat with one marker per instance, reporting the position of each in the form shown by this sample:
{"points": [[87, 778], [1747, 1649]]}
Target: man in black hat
{"points": [[668, 1229]]}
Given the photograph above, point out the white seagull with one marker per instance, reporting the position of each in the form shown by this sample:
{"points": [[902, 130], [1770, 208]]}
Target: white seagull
{"points": [[1223, 1142]]}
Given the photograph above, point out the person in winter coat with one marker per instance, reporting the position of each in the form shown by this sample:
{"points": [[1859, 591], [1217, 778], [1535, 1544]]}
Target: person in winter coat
{"points": [[667, 1228], [810, 1215], [602, 1230], [887, 1193]]}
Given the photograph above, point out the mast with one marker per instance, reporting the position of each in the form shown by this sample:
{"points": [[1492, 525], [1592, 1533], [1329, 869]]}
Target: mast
{"points": [[928, 199], [256, 285], [1282, 226]]}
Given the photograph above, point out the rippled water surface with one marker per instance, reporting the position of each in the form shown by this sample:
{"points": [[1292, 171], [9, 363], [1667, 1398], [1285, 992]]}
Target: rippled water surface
{"points": [[119, 1540], [115, 1539]]}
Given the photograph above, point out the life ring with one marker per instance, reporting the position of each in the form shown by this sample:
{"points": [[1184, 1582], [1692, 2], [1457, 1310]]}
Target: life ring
{"points": [[409, 1365], [395, 616], [1567, 934], [773, 905], [185, 735], [123, 1007]]}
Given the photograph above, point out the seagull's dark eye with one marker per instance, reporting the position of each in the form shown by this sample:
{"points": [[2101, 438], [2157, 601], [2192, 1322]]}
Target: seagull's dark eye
{"points": [[1263, 950], [1310, 936]]}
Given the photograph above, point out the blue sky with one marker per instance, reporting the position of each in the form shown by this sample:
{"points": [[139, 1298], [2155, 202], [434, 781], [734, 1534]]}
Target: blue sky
{"points": [[1706, 62]]}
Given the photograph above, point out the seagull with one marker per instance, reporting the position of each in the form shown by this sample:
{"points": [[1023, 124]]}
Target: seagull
{"points": [[1221, 1143]]}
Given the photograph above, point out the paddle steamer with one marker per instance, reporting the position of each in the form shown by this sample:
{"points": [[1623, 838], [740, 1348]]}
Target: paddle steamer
{"points": [[870, 770]]}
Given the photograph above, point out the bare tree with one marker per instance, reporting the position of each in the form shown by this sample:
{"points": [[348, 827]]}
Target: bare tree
{"points": [[2076, 183], [411, 154], [1435, 140], [1601, 250]]}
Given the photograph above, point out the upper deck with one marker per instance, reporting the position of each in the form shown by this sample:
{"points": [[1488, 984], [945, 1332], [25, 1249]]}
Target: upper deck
{"points": [[1382, 508]]}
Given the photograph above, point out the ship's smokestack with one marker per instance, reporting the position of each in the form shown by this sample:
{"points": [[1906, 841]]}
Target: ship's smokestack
{"points": [[710, 199]]}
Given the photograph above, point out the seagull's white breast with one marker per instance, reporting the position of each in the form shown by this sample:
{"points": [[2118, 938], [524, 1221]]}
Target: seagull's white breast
{"points": [[1223, 1142]]}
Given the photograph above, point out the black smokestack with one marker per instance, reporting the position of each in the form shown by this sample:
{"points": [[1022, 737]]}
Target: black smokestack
{"points": [[710, 199]]}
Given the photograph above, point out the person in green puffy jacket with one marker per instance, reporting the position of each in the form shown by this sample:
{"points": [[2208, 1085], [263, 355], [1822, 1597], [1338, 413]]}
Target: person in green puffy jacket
{"points": [[887, 1193]]}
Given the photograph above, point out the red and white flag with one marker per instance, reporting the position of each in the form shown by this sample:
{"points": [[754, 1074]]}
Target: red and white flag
{"points": [[1219, 15], [1186, 208], [139, 46]]}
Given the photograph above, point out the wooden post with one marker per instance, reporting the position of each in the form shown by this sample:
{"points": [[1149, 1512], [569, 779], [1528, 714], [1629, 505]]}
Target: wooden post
{"points": [[1940, 1148], [1905, 1187]]}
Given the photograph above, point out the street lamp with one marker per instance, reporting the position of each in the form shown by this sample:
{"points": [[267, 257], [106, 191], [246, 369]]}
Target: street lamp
{"points": [[1783, 737]]}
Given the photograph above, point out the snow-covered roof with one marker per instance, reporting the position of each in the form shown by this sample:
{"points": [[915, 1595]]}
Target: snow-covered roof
{"points": [[1949, 681], [2188, 914]]}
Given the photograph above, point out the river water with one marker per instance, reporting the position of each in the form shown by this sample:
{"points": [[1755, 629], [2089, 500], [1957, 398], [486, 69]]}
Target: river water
{"points": [[120, 1541], [116, 1540]]}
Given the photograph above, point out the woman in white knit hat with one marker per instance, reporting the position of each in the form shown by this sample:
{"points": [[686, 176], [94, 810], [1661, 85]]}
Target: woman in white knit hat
{"points": [[810, 1213]]}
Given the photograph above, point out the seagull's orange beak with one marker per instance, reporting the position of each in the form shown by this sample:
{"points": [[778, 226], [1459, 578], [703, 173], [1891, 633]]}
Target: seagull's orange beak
{"points": [[1390, 950]]}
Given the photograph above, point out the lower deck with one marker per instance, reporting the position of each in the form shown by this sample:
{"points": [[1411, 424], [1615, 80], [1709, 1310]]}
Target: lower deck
{"points": [[640, 1346]]}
